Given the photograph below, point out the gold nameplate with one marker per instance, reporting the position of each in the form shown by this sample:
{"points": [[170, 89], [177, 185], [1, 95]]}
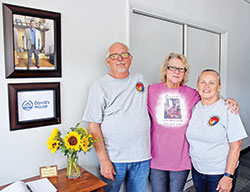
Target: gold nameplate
{"points": [[50, 171]]}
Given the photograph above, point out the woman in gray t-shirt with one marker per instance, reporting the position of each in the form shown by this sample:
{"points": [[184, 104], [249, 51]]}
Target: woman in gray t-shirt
{"points": [[214, 135]]}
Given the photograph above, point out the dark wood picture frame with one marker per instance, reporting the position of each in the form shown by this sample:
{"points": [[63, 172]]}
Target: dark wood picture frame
{"points": [[14, 89], [8, 24]]}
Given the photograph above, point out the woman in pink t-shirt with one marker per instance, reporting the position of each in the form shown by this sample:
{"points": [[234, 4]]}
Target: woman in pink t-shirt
{"points": [[170, 106]]}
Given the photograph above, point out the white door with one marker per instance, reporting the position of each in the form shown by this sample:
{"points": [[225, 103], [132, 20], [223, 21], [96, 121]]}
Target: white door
{"points": [[152, 39], [203, 52]]}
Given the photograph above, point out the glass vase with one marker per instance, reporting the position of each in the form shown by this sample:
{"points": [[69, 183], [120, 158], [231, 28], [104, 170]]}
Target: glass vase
{"points": [[73, 170]]}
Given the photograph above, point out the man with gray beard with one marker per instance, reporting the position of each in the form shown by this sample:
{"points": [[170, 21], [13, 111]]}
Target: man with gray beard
{"points": [[117, 114]]}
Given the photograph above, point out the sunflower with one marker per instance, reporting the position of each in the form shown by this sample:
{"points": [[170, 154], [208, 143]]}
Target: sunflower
{"points": [[72, 141], [91, 141], [84, 143], [54, 134], [77, 139], [82, 131], [53, 145]]}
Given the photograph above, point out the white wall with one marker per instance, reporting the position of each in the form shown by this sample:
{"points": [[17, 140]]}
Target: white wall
{"points": [[88, 28], [228, 16]]}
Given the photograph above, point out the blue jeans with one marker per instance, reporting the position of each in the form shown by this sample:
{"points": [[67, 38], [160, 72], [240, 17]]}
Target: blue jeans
{"points": [[208, 183], [173, 181], [134, 174]]}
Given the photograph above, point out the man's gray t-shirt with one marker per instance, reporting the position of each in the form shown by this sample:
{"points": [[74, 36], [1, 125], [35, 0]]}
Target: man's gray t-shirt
{"points": [[210, 130], [120, 106]]}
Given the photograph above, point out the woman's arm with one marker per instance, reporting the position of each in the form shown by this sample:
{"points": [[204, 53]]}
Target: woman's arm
{"points": [[225, 184]]}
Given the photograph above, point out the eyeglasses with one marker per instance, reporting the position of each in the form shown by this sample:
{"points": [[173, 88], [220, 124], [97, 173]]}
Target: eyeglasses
{"points": [[180, 69], [116, 56]]}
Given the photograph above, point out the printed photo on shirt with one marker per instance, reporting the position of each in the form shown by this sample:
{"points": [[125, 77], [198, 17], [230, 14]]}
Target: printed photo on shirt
{"points": [[172, 109]]}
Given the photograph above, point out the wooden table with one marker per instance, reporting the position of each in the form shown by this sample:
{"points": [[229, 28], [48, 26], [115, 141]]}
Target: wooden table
{"points": [[85, 183]]}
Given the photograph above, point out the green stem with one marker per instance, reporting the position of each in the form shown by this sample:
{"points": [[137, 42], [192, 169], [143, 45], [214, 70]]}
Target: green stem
{"points": [[73, 170], [76, 167]]}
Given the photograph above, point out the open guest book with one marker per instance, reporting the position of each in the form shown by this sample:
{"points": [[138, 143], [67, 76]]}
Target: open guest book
{"points": [[39, 185]]}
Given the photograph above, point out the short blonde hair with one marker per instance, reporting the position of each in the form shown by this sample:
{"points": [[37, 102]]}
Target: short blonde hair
{"points": [[165, 64]]}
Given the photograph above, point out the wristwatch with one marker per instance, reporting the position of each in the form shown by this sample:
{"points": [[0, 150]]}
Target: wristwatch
{"points": [[228, 175]]}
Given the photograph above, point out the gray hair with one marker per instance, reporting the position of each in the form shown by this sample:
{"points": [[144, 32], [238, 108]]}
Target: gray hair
{"points": [[210, 70], [108, 53]]}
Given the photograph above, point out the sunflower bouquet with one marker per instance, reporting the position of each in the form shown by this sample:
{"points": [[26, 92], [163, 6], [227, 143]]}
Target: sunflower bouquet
{"points": [[76, 140]]}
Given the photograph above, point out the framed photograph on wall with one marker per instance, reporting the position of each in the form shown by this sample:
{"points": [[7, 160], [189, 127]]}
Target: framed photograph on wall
{"points": [[32, 42], [34, 105]]}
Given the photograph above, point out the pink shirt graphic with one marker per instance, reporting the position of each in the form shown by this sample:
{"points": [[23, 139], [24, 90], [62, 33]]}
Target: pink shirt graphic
{"points": [[170, 111]]}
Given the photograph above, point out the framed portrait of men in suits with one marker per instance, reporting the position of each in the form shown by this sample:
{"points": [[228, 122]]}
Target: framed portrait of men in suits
{"points": [[32, 40]]}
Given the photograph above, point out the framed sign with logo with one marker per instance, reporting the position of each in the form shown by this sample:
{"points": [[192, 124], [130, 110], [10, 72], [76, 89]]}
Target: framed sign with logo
{"points": [[34, 105], [32, 42]]}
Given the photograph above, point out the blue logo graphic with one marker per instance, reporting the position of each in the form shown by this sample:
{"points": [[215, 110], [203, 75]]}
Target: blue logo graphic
{"points": [[27, 105]]}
